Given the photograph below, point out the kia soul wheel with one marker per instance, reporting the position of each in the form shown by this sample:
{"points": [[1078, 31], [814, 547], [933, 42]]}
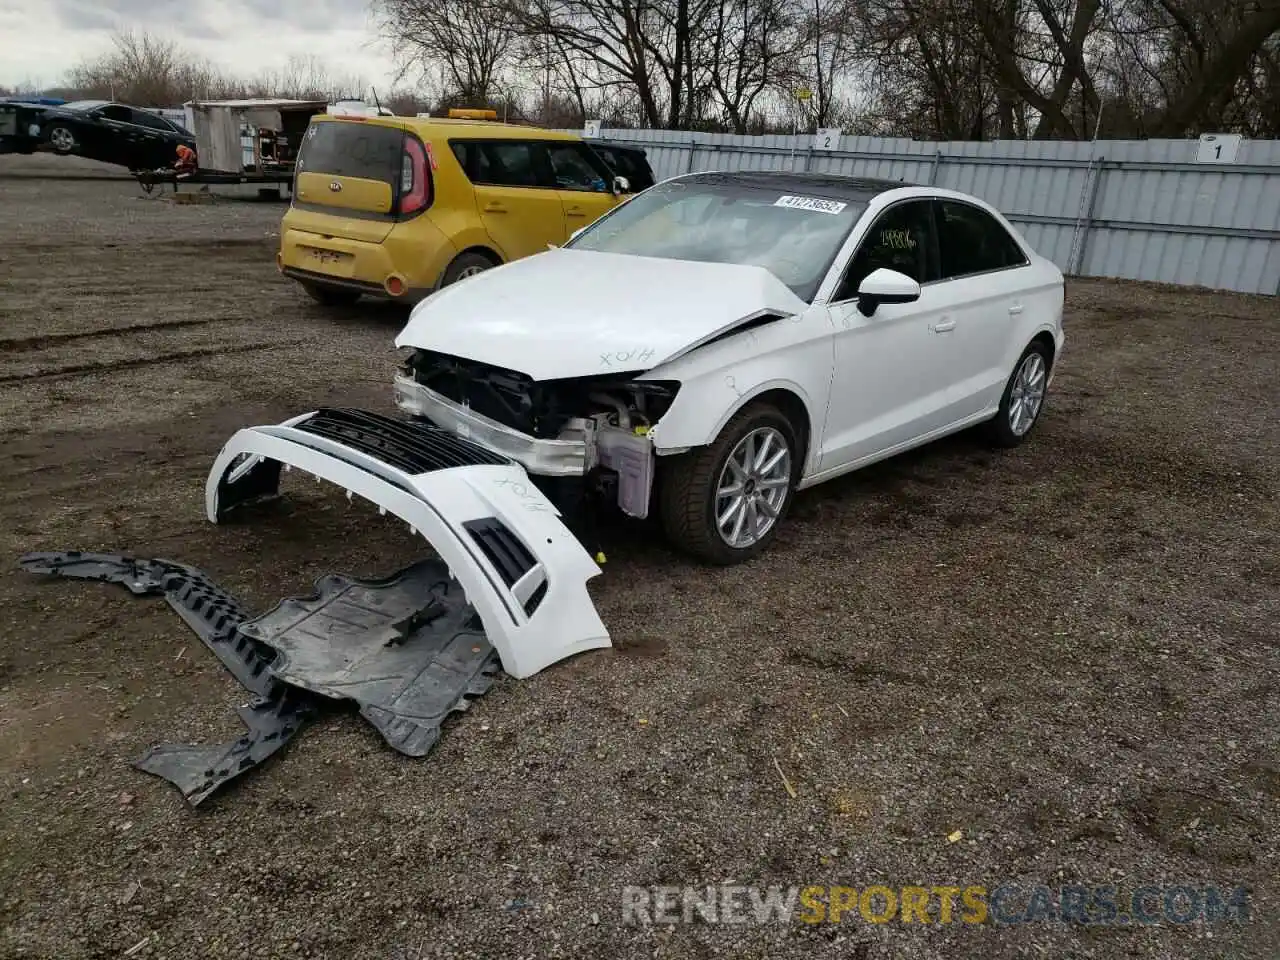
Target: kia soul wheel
{"points": [[723, 503]]}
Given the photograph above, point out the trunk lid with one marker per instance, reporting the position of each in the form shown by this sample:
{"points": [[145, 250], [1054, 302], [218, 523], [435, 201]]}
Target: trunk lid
{"points": [[347, 177]]}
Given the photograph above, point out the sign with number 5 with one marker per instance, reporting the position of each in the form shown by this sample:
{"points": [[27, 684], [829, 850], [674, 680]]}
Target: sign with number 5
{"points": [[827, 138], [591, 129], [1218, 148]]}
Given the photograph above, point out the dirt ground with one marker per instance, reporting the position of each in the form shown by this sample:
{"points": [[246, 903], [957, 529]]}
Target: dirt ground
{"points": [[1067, 652]]}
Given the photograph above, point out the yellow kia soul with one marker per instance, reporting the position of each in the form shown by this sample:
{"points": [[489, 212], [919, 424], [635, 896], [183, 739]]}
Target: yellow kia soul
{"points": [[397, 207]]}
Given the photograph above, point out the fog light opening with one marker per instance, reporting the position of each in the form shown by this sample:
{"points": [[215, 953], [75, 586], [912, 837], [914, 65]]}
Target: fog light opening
{"points": [[395, 286]]}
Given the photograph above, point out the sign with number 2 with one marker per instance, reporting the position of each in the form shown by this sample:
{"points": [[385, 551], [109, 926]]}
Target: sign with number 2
{"points": [[827, 138]]}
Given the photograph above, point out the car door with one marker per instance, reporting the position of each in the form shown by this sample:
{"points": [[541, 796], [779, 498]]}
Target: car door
{"points": [[892, 377], [987, 274], [151, 146], [584, 182], [516, 194], [114, 135]]}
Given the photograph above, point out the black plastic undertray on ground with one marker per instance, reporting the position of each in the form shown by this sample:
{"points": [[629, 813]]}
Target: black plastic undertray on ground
{"points": [[407, 649]]}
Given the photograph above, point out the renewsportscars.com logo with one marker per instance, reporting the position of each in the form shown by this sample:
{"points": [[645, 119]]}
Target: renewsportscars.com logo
{"points": [[1103, 905]]}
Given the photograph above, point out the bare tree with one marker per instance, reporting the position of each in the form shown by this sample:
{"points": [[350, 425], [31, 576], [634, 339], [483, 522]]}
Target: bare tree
{"points": [[466, 45], [752, 48], [950, 69], [149, 71], [307, 78]]}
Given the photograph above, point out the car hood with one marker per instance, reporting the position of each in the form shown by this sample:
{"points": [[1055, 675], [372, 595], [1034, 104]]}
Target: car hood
{"points": [[577, 313]]}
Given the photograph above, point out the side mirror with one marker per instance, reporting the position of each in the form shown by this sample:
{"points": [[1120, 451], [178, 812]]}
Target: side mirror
{"points": [[621, 185], [886, 286]]}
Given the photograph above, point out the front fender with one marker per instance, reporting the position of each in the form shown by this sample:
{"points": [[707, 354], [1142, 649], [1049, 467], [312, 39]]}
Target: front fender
{"points": [[716, 381]]}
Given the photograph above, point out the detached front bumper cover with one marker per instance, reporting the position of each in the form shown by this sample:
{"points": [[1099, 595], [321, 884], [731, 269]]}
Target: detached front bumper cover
{"points": [[522, 570]]}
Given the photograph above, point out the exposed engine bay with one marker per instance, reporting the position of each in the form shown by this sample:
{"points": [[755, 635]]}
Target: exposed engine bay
{"points": [[542, 408], [603, 420]]}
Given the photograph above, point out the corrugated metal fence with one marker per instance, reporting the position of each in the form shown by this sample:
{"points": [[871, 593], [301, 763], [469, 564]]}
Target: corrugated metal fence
{"points": [[1139, 210]]}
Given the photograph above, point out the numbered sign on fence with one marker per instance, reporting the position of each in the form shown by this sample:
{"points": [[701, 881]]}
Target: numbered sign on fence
{"points": [[591, 129], [827, 138], [1218, 148]]}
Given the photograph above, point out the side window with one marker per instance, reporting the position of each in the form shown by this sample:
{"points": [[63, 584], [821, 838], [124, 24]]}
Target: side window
{"points": [[144, 119], [466, 157], [511, 163], [901, 239], [574, 169], [972, 241], [114, 112]]}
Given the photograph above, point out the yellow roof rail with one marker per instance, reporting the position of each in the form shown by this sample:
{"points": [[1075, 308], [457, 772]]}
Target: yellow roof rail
{"points": [[457, 113]]}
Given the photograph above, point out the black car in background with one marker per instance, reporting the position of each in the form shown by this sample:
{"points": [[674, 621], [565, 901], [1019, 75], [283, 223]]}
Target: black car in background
{"points": [[97, 129], [625, 161]]}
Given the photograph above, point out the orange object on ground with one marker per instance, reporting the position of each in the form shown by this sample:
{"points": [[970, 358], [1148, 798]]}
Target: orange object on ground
{"points": [[186, 159]]}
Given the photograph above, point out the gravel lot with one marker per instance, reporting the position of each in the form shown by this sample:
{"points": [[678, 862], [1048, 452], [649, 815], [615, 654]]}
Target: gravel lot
{"points": [[1067, 652]]}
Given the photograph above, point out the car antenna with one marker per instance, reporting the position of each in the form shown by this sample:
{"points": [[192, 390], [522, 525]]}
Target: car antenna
{"points": [[376, 104]]}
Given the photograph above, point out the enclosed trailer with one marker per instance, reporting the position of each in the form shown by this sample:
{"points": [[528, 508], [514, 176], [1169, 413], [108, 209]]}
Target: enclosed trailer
{"points": [[259, 138]]}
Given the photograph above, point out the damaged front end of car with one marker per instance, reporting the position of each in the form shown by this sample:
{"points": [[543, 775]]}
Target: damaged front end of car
{"points": [[581, 438]]}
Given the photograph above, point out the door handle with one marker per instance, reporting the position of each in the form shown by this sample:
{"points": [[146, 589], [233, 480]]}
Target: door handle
{"points": [[945, 325], [1015, 309], [575, 212], [493, 206]]}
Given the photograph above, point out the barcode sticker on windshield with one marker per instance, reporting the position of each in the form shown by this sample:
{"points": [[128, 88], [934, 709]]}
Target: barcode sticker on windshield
{"points": [[810, 203]]}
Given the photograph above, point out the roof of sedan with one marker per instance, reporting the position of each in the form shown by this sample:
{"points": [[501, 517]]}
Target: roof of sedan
{"points": [[825, 184]]}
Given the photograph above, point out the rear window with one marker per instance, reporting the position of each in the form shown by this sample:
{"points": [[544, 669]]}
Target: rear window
{"points": [[352, 149]]}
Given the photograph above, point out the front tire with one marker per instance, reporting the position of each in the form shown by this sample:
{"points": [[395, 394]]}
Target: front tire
{"points": [[1023, 399], [331, 296], [723, 503]]}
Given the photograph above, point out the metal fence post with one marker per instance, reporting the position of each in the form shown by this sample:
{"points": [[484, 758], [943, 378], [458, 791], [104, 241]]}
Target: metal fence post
{"points": [[933, 170], [1085, 223], [693, 148], [808, 158]]}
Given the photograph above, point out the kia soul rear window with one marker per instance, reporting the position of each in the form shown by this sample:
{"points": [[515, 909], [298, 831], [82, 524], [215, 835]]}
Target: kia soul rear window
{"points": [[351, 149]]}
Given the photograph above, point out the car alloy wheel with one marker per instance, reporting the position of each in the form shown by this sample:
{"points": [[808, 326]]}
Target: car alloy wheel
{"points": [[1027, 395], [61, 139], [466, 265], [753, 487], [722, 502]]}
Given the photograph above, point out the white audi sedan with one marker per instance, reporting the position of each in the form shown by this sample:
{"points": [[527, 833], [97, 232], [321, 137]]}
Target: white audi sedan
{"points": [[723, 340], [704, 350]]}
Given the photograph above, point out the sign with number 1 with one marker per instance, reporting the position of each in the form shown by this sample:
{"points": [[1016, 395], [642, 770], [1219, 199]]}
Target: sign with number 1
{"points": [[1218, 148]]}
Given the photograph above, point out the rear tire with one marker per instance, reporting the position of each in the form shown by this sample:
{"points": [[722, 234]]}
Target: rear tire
{"points": [[690, 493], [331, 296], [1023, 399], [466, 265], [61, 139]]}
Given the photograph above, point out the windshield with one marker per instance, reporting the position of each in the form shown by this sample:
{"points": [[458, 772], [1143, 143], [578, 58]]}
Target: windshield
{"points": [[83, 105], [795, 237]]}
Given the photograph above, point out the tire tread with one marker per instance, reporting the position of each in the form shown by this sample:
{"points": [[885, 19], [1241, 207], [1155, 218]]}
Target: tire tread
{"points": [[686, 486]]}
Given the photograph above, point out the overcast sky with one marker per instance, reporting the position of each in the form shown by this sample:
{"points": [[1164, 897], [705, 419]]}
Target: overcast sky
{"points": [[41, 39]]}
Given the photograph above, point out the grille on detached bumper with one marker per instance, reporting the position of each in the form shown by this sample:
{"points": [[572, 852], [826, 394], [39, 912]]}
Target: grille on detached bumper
{"points": [[411, 447]]}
